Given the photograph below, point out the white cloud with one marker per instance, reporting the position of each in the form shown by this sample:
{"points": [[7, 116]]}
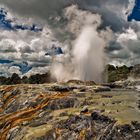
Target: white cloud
{"points": [[7, 45], [14, 69], [26, 46], [37, 70], [130, 34]]}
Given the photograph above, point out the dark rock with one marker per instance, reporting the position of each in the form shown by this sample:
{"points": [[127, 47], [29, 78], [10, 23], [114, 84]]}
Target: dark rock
{"points": [[79, 82], [61, 88], [75, 82], [80, 94], [102, 89], [62, 103], [116, 102], [63, 114], [38, 122], [75, 125], [136, 125], [107, 96], [84, 110], [126, 129], [90, 83], [97, 117]]}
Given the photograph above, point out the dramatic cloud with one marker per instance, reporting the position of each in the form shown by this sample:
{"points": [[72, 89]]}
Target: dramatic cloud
{"points": [[25, 46], [36, 8], [127, 50], [63, 25], [49, 10]]}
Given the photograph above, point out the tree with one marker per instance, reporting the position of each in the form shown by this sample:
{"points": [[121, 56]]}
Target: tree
{"points": [[15, 79]]}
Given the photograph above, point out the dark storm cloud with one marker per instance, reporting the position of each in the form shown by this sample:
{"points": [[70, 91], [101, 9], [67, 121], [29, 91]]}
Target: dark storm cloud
{"points": [[123, 54], [113, 46], [43, 8], [110, 10]]}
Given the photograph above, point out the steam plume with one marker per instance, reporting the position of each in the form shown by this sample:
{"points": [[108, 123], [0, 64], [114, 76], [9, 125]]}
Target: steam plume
{"points": [[86, 60]]}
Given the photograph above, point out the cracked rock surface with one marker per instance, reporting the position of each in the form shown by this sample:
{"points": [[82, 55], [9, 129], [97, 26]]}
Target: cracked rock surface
{"points": [[68, 111]]}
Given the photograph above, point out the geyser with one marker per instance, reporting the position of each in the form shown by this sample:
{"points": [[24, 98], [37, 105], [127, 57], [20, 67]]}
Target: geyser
{"points": [[86, 58], [88, 55]]}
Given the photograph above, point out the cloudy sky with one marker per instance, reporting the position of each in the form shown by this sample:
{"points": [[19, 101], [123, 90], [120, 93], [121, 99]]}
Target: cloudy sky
{"points": [[35, 32]]}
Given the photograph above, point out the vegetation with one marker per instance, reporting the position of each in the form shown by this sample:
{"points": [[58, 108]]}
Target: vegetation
{"points": [[115, 73], [33, 79]]}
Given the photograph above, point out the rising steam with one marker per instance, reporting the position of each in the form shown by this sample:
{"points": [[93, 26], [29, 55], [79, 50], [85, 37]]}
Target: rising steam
{"points": [[86, 60]]}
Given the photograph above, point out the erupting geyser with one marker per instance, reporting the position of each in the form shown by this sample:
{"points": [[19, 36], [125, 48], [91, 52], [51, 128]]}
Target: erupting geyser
{"points": [[86, 60], [88, 55]]}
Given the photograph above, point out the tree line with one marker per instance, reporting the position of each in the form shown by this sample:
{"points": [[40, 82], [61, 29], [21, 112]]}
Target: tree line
{"points": [[33, 79], [113, 73]]}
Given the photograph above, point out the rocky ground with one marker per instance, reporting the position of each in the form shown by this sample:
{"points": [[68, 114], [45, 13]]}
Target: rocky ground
{"points": [[74, 110]]}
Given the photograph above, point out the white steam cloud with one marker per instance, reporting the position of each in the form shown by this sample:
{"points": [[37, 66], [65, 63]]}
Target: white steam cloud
{"points": [[89, 56], [86, 60]]}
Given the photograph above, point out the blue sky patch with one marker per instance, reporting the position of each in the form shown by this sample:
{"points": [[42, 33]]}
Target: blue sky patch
{"points": [[135, 15], [7, 24], [54, 51], [23, 66], [5, 61]]}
